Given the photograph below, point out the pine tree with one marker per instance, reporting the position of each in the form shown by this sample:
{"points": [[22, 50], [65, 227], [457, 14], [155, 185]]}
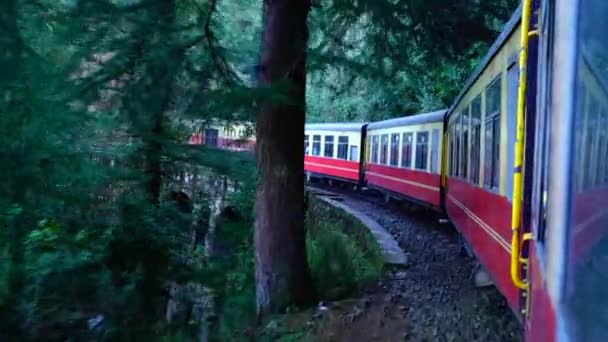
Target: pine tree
{"points": [[282, 272]]}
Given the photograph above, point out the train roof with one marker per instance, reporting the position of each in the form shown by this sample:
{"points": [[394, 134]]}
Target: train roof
{"points": [[510, 26], [335, 126], [417, 119]]}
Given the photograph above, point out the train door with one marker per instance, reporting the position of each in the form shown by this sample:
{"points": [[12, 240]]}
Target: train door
{"points": [[538, 311], [211, 136], [363, 155], [444, 162]]}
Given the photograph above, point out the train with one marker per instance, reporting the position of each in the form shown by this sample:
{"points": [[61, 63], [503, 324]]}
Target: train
{"points": [[225, 134], [518, 163]]}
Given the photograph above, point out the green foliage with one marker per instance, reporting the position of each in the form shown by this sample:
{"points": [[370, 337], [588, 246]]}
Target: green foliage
{"points": [[97, 98], [96, 102], [343, 255], [374, 60]]}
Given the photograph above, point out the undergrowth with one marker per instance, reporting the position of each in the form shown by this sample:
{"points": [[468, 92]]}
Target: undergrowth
{"points": [[342, 254]]}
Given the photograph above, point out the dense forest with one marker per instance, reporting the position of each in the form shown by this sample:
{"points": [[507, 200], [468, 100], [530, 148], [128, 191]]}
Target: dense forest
{"points": [[109, 218]]}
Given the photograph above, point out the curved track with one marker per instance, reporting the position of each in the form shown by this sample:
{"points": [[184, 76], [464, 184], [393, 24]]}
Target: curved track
{"points": [[434, 298]]}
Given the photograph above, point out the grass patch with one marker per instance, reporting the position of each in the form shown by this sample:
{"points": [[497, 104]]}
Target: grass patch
{"points": [[343, 255]]}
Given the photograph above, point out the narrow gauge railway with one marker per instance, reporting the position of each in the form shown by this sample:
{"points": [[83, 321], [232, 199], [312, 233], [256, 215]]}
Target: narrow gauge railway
{"points": [[518, 163], [432, 299]]}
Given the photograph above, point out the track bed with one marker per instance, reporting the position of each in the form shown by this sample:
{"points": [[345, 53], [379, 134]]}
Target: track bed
{"points": [[432, 299]]}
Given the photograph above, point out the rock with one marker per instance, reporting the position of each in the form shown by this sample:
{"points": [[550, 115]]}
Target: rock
{"points": [[271, 327], [356, 314], [400, 275], [322, 307], [95, 323], [395, 297]]}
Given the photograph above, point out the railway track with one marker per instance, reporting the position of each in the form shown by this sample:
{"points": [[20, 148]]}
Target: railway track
{"points": [[433, 298]]}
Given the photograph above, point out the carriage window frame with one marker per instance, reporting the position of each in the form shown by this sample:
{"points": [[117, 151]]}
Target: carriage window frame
{"points": [[375, 146], [306, 144], [328, 150], [603, 172], [211, 136], [475, 141], [457, 146], [422, 151], [342, 151], [492, 135], [464, 144], [354, 153], [394, 155], [316, 145], [407, 149], [452, 148], [384, 149]]}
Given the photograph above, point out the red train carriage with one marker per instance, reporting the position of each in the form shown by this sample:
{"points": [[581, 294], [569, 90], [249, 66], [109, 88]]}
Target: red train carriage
{"points": [[334, 150], [556, 281], [404, 157], [480, 143], [236, 136], [568, 252]]}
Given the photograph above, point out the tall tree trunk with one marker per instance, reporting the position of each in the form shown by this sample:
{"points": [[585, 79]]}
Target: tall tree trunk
{"points": [[161, 75], [282, 272], [153, 150]]}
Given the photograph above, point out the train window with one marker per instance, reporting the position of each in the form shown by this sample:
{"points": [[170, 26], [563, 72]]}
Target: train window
{"points": [[465, 145], [454, 161], [329, 146], [407, 146], [578, 128], [435, 151], [492, 135], [343, 148], [354, 153], [375, 149], [422, 150], [591, 145], [600, 143], [306, 143], [384, 149], [456, 135], [450, 149], [211, 136], [452, 135], [395, 149], [316, 145], [603, 154], [475, 139]]}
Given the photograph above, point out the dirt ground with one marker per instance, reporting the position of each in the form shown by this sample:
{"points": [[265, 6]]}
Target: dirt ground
{"points": [[431, 299]]}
